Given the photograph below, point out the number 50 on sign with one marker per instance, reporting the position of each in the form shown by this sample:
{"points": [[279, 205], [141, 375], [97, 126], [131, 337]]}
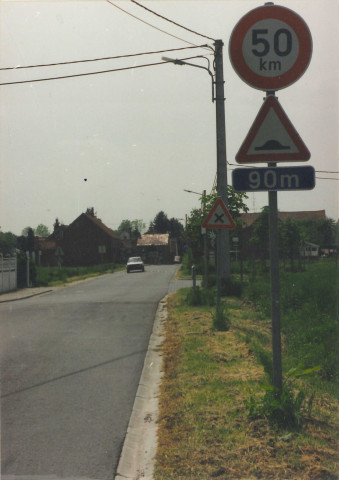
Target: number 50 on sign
{"points": [[270, 47]]}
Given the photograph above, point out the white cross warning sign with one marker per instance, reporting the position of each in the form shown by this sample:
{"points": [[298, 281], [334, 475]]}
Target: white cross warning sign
{"points": [[219, 216]]}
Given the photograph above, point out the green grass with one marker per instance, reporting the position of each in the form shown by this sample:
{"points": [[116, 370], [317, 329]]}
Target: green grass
{"points": [[51, 276], [309, 315], [204, 428]]}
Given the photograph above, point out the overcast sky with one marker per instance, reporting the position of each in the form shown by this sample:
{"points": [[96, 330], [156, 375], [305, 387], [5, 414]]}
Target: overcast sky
{"points": [[128, 143]]}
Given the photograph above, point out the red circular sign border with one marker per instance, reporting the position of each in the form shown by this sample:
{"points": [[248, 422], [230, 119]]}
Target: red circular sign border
{"points": [[300, 65]]}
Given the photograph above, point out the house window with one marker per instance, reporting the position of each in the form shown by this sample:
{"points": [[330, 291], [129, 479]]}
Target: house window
{"points": [[102, 248]]}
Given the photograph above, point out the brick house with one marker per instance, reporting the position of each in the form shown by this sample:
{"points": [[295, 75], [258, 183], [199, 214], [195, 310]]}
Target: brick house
{"points": [[88, 241]]}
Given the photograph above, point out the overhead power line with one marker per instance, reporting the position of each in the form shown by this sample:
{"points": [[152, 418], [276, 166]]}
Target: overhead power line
{"points": [[171, 21], [149, 24], [61, 77], [327, 178], [19, 67]]}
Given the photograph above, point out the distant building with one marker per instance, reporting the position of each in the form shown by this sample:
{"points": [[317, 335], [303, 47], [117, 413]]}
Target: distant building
{"points": [[157, 248], [309, 249], [247, 249], [249, 218]]}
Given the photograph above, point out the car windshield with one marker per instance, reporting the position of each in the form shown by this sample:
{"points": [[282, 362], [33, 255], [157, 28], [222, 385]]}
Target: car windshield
{"points": [[135, 259]]}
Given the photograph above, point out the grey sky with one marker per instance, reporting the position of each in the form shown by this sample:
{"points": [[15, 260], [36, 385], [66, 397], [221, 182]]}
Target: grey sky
{"points": [[140, 137]]}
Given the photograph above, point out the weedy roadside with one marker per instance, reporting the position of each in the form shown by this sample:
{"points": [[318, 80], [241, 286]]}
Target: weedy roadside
{"points": [[205, 429]]}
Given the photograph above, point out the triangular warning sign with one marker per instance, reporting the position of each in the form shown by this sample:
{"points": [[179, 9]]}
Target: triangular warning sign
{"points": [[272, 137], [218, 217]]}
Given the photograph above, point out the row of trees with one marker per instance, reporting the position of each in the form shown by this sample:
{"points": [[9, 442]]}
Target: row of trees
{"points": [[9, 241], [160, 224], [292, 234]]}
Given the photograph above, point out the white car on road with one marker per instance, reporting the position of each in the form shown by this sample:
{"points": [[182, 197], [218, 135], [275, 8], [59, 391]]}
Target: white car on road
{"points": [[135, 263]]}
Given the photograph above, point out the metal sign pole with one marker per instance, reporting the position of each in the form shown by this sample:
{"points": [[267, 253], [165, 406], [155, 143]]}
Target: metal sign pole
{"points": [[270, 48], [275, 293]]}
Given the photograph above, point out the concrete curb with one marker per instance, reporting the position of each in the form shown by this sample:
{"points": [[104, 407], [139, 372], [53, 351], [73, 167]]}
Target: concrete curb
{"points": [[16, 299], [139, 449]]}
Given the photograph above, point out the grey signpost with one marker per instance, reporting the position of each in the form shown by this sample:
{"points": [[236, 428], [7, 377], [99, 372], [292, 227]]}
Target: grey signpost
{"points": [[270, 48]]}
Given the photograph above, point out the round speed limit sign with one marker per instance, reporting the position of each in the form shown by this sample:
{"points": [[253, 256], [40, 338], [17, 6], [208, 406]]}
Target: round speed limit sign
{"points": [[270, 47]]}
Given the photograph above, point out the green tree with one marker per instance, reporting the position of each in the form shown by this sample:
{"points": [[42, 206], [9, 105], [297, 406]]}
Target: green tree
{"points": [[290, 238], [160, 224], [25, 231], [193, 236], [138, 226], [260, 235], [134, 227], [42, 231], [30, 240], [27, 239], [7, 243], [322, 232], [176, 228]]}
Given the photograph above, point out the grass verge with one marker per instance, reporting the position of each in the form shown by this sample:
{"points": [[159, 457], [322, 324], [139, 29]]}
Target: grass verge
{"points": [[204, 428], [52, 276]]}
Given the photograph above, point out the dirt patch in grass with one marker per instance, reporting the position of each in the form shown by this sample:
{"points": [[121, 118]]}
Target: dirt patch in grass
{"points": [[204, 430]]}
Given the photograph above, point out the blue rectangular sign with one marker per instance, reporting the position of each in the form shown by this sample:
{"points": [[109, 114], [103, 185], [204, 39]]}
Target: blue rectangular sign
{"points": [[276, 178]]}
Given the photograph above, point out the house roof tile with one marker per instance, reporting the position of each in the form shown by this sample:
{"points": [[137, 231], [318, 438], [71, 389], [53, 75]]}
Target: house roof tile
{"points": [[101, 225], [250, 218], [153, 239]]}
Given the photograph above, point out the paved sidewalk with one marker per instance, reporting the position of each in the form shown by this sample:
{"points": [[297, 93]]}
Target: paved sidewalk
{"points": [[23, 293]]}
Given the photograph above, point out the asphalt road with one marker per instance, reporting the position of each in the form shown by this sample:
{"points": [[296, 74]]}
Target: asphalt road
{"points": [[70, 367]]}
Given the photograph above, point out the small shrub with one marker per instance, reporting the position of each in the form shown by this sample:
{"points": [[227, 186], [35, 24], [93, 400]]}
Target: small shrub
{"points": [[198, 296], [231, 288], [220, 320], [208, 297], [212, 280], [194, 297], [283, 408]]}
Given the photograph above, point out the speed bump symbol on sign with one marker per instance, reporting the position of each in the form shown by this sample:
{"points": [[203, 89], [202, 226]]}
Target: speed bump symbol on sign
{"points": [[272, 137]]}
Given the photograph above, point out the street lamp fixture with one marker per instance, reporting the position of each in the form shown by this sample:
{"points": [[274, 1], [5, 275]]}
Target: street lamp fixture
{"points": [[190, 191], [177, 61]]}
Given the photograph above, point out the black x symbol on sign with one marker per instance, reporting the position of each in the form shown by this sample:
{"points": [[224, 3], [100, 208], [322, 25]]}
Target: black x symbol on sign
{"points": [[218, 218]]}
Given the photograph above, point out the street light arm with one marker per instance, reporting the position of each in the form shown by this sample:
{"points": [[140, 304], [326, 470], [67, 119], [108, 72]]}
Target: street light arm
{"points": [[177, 61]]}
